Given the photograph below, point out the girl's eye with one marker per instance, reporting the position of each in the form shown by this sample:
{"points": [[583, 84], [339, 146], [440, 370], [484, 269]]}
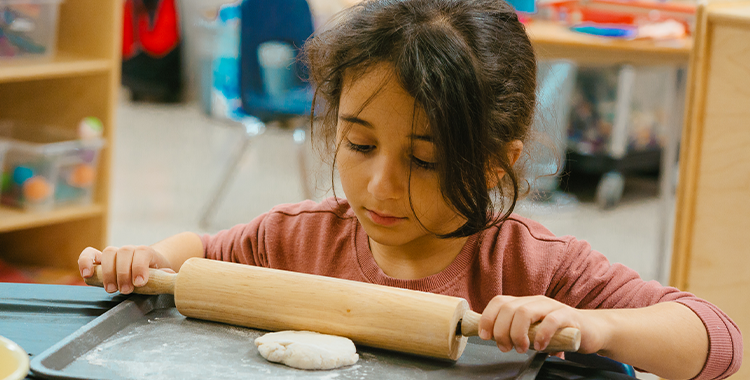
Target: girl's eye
{"points": [[424, 164], [359, 148], [369, 148]]}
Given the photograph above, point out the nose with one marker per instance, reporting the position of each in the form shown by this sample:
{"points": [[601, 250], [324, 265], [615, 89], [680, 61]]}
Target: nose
{"points": [[388, 179]]}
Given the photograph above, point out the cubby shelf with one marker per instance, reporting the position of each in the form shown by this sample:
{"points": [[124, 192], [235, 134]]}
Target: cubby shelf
{"points": [[62, 65], [82, 79], [13, 219]]}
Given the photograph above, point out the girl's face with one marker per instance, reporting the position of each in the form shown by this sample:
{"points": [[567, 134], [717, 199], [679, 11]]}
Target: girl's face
{"points": [[379, 147]]}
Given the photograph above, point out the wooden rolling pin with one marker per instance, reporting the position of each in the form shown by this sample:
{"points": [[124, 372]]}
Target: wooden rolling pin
{"points": [[374, 315]]}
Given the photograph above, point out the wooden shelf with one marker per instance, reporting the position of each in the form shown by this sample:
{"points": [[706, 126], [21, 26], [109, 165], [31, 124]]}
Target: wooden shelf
{"points": [[554, 41], [81, 80], [14, 219], [62, 65], [731, 14]]}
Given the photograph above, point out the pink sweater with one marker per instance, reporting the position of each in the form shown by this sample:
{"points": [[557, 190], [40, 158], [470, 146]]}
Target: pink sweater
{"points": [[518, 258]]}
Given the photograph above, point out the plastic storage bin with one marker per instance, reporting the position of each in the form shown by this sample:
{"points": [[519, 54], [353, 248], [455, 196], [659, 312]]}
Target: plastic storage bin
{"points": [[48, 167], [28, 28], [4, 145]]}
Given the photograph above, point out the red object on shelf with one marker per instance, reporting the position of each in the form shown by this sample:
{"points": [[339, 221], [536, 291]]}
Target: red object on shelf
{"points": [[39, 275], [685, 8], [646, 12], [618, 12], [606, 17], [9, 273]]}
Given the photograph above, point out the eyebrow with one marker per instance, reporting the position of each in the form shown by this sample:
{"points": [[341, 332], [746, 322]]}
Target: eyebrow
{"points": [[355, 120]]}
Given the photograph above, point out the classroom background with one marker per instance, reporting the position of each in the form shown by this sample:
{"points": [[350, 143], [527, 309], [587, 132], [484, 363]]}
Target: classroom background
{"points": [[138, 124]]}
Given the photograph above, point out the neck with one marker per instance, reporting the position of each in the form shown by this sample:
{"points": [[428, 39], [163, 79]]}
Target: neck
{"points": [[418, 259]]}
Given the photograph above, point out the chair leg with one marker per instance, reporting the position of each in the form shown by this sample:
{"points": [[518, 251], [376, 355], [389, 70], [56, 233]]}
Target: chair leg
{"points": [[300, 136], [252, 128]]}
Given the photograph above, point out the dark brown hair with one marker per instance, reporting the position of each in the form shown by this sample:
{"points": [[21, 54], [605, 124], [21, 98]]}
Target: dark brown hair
{"points": [[471, 68]]}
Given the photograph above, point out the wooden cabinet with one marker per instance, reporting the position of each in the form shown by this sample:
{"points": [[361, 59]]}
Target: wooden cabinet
{"points": [[711, 256], [81, 80]]}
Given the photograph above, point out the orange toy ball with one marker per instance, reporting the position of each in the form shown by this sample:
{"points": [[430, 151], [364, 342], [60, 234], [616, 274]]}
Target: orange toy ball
{"points": [[36, 189], [82, 176]]}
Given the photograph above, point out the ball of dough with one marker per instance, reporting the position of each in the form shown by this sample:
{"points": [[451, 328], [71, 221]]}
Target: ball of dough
{"points": [[307, 350]]}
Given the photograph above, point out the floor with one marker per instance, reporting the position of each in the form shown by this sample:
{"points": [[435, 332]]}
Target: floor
{"points": [[169, 158]]}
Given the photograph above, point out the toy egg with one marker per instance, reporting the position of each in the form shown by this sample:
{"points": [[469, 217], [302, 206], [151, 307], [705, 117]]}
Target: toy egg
{"points": [[21, 174], [82, 176], [88, 155], [90, 128], [36, 189]]}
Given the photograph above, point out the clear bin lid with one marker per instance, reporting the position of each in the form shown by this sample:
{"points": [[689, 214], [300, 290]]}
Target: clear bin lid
{"points": [[45, 140], [31, 2]]}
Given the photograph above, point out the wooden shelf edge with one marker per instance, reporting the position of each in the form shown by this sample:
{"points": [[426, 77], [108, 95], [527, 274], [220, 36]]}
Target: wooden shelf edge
{"points": [[14, 219], [552, 34], [62, 65], [732, 17]]}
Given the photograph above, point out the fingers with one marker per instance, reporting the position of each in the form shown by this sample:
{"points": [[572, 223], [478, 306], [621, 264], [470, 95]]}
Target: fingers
{"points": [[508, 315], [509, 318], [524, 316], [123, 268], [143, 258], [552, 322], [123, 265], [116, 269], [86, 261], [109, 272]]}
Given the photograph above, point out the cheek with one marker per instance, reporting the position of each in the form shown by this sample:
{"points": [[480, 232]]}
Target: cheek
{"points": [[350, 168], [432, 209], [427, 198]]}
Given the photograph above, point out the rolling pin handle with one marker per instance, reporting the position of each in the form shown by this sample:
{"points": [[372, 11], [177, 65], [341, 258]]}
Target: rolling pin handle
{"points": [[159, 282], [567, 339]]}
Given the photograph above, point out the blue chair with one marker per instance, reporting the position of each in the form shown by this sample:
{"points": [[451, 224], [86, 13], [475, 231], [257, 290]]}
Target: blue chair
{"points": [[287, 21], [234, 91]]}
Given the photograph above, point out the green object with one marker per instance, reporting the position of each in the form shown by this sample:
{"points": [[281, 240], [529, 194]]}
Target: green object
{"points": [[90, 127], [94, 123], [6, 182]]}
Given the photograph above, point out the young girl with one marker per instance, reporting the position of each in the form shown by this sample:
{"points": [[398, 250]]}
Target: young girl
{"points": [[425, 105]]}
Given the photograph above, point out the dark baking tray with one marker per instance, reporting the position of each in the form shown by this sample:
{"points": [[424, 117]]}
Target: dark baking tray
{"points": [[145, 337]]}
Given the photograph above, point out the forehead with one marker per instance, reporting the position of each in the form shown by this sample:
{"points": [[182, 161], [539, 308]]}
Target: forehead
{"points": [[375, 95]]}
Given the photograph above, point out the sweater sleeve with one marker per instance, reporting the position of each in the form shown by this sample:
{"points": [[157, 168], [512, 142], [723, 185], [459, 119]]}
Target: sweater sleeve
{"points": [[239, 244], [585, 279]]}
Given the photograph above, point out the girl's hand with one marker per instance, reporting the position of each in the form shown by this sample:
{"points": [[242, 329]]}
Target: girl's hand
{"points": [[508, 319], [122, 267]]}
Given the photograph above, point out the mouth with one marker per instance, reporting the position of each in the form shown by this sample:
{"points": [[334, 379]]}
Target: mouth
{"points": [[382, 218]]}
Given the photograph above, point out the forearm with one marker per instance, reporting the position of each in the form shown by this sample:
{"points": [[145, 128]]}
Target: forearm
{"points": [[178, 248], [667, 339]]}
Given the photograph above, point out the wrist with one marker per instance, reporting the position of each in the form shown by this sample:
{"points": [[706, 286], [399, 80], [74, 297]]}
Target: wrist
{"points": [[602, 327]]}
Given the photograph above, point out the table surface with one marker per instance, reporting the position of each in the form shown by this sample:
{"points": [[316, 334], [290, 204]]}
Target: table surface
{"points": [[37, 317]]}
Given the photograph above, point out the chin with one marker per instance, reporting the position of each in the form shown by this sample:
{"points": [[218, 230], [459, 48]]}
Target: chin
{"points": [[387, 236]]}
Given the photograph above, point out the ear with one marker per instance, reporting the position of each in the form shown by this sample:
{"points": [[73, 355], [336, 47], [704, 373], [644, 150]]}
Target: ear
{"points": [[515, 148]]}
